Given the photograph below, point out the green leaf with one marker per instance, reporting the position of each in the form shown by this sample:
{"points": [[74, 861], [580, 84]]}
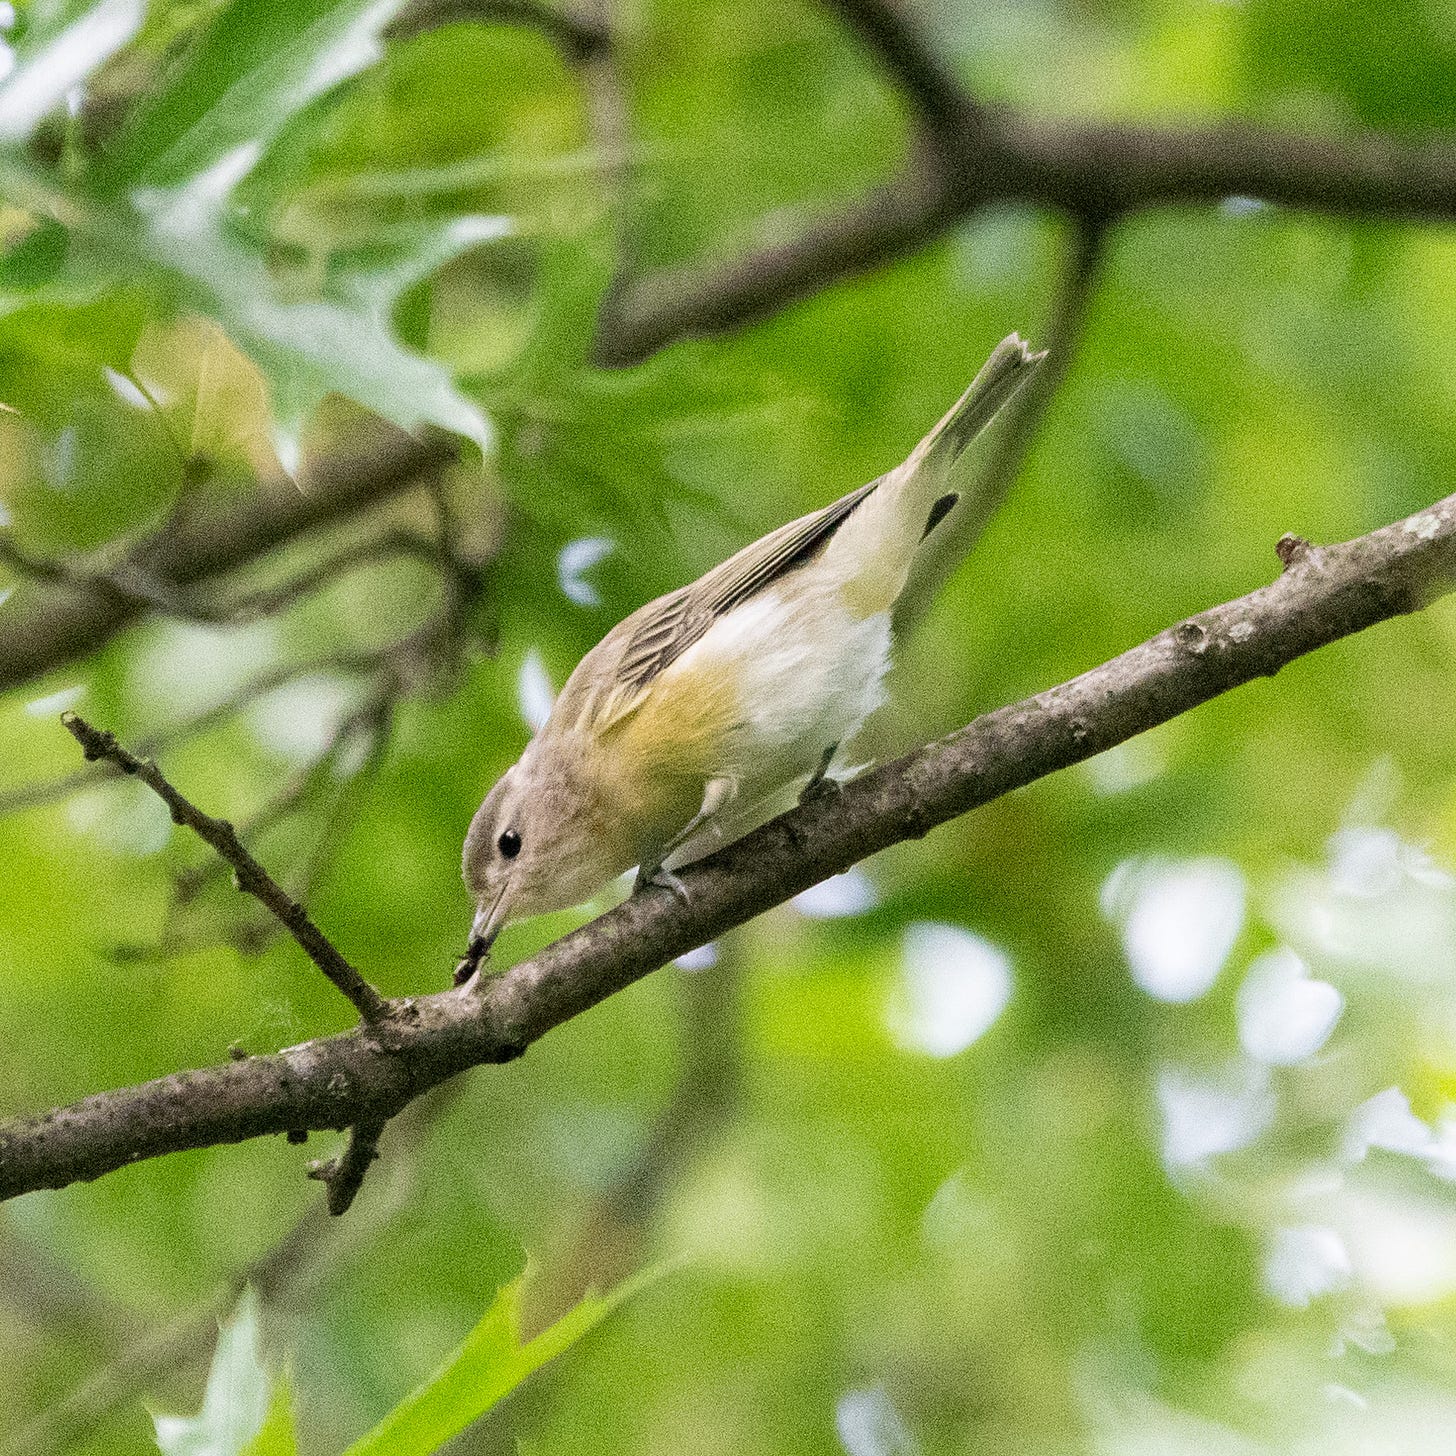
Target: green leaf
{"points": [[235, 1404], [36, 258], [307, 348], [277, 1437], [375, 275], [45, 346], [490, 1364], [164, 215], [53, 59], [255, 67]]}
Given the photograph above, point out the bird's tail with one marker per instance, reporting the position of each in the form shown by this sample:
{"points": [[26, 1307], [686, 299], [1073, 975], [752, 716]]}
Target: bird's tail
{"points": [[936, 519], [883, 541], [1011, 364]]}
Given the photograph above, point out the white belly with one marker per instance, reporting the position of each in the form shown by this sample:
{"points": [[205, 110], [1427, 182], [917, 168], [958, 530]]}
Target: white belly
{"points": [[808, 674]]}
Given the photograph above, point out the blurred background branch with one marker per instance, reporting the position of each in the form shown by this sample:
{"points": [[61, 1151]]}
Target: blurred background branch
{"points": [[968, 157], [50, 624], [580, 36]]}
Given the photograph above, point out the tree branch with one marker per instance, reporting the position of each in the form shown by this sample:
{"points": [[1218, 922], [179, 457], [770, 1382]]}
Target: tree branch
{"points": [[33, 795], [696, 299], [252, 878], [1094, 171], [343, 1176], [1063, 335], [369, 1074], [943, 107], [50, 624], [310, 1252]]}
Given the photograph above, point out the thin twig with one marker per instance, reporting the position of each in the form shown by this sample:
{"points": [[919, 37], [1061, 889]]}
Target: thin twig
{"points": [[270, 601], [610, 127], [48, 791], [132, 581], [578, 36], [46, 1292], [1324, 594], [368, 719], [604, 1240], [57, 622], [35, 568], [343, 1176], [1012, 442], [61, 1427], [376, 720], [699, 299], [251, 876]]}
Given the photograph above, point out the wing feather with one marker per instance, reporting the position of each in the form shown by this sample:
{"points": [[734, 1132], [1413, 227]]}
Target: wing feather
{"points": [[665, 629]]}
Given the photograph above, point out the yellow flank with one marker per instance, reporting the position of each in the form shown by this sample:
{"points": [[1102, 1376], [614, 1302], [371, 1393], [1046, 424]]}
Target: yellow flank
{"points": [[656, 760]]}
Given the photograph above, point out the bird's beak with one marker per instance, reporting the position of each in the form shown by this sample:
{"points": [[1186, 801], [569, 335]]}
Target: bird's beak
{"points": [[488, 922], [483, 930]]}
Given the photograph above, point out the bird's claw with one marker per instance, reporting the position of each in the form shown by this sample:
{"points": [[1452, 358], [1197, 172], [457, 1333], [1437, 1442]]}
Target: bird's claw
{"points": [[821, 786], [655, 877]]}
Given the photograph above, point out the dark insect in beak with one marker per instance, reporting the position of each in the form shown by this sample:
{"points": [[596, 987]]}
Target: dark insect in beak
{"points": [[487, 926], [470, 962]]}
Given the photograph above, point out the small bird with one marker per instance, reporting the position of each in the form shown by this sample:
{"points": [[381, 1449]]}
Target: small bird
{"points": [[721, 693]]}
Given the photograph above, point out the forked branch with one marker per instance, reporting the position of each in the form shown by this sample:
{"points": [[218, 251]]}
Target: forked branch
{"points": [[252, 878]]}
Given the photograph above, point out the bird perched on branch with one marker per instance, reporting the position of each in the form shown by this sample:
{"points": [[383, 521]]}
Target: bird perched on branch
{"points": [[721, 693]]}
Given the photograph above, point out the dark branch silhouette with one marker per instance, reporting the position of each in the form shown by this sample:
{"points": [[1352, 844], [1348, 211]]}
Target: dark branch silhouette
{"points": [[964, 156], [1096, 171], [943, 108]]}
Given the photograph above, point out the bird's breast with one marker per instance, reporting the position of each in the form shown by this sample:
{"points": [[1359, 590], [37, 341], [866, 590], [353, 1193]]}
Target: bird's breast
{"points": [[786, 674]]}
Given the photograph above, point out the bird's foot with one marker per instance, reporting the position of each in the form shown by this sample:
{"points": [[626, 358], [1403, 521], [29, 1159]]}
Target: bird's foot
{"points": [[816, 788], [821, 785], [655, 877]]}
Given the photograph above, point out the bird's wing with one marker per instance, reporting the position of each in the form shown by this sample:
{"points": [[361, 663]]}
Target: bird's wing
{"points": [[663, 630], [772, 556], [638, 650]]}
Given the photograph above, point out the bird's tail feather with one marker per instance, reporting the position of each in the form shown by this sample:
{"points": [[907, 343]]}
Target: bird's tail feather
{"points": [[1011, 364], [882, 541], [929, 496]]}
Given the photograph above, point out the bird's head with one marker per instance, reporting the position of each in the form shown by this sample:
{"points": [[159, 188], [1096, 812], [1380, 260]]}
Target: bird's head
{"points": [[538, 842]]}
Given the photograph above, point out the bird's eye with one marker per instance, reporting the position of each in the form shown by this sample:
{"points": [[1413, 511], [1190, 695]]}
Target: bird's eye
{"points": [[509, 844]]}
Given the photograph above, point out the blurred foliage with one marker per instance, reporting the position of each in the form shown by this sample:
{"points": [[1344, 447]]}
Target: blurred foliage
{"points": [[1119, 1117], [246, 1411]]}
